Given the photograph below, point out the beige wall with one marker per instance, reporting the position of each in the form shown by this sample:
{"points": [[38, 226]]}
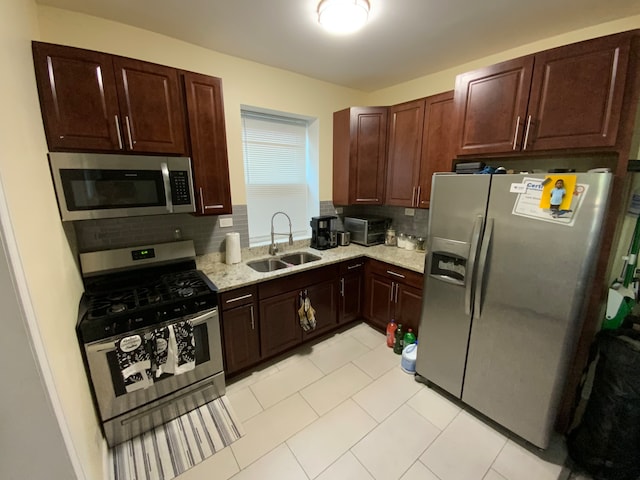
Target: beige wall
{"points": [[53, 279], [445, 80], [54, 283]]}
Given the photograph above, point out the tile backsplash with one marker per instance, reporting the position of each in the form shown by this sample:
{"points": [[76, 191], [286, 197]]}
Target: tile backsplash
{"points": [[207, 234]]}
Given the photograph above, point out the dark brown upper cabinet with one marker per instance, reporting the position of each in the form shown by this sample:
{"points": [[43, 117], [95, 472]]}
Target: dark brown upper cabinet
{"points": [[207, 137], [406, 122], [420, 143], [93, 101], [359, 155], [568, 97]]}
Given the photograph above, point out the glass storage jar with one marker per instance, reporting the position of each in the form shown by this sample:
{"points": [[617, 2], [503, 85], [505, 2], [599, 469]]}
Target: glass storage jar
{"points": [[390, 237], [410, 242], [420, 244], [402, 240]]}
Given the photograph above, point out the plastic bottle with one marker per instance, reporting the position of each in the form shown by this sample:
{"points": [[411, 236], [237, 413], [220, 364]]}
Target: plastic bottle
{"points": [[391, 333], [397, 346], [408, 361], [409, 337]]}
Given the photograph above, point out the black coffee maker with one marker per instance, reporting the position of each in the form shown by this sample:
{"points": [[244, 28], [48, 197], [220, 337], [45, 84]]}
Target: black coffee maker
{"points": [[323, 234]]}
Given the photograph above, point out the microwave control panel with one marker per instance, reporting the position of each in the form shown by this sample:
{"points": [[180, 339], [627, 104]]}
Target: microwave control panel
{"points": [[180, 194]]}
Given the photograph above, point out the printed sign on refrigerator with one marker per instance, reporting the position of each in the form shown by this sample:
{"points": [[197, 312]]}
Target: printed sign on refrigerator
{"points": [[555, 199]]}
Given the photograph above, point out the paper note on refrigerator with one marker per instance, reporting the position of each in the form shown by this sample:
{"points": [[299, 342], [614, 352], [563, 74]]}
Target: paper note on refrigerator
{"points": [[535, 202]]}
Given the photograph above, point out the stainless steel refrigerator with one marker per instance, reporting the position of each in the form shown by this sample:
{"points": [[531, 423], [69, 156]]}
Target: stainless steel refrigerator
{"points": [[506, 276]]}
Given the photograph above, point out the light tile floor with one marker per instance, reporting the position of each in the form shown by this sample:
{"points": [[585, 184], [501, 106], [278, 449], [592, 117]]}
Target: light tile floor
{"points": [[344, 409]]}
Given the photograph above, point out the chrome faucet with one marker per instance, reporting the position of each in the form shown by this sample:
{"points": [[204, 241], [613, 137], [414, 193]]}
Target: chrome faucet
{"points": [[273, 248]]}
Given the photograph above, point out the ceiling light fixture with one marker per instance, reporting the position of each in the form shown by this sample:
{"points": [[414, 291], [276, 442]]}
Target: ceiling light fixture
{"points": [[343, 16]]}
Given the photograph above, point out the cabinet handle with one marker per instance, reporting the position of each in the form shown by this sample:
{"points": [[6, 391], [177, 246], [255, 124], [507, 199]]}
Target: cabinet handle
{"points": [[393, 284], [118, 132], [418, 198], [396, 274], [201, 202], [397, 288], [126, 120], [515, 136], [342, 287], [242, 297], [413, 196], [253, 324], [351, 267], [526, 133]]}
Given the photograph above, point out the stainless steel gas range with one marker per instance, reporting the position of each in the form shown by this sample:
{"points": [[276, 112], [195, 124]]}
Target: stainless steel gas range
{"points": [[149, 331]]}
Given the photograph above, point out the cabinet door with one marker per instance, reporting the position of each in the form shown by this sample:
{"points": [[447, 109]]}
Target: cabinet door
{"points": [[241, 338], [350, 297], [359, 155], [408, 305], [406, 123], [208, 143], [491, 105], [324, 299], [150, 102], [78, 98], [379, 300], [576, 95], [437, 143], [279, 324]]}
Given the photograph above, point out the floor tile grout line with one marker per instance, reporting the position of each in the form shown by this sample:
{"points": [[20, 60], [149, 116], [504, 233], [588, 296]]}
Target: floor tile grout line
{"points": [[293, 454]]}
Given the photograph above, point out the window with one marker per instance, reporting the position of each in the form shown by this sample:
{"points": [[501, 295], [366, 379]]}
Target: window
{"points": [[281, 174]]}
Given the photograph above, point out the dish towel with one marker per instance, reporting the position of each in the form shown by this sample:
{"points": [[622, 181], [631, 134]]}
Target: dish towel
{"points": [[161, 350], [306, 312], [134, 362], [181, 351]]}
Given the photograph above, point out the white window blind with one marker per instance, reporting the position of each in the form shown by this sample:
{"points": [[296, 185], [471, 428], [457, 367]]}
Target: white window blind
{"points": [[276, 175]]}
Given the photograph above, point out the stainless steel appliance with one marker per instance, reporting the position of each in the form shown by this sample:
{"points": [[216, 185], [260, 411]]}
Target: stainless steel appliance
{"points": [[504, 289], [344, 238], [90, 185], [367, 230], [131, 294], [323, 233]]}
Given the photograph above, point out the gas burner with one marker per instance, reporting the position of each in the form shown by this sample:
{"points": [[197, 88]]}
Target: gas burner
{"points": [[185, 292], [154, 298], [117, 308]]}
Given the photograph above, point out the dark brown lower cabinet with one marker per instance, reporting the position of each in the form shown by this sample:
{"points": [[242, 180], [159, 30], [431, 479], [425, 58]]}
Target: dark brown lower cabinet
{"points": [[392, 292], [279, 320], [351, 290], [240, 329]]}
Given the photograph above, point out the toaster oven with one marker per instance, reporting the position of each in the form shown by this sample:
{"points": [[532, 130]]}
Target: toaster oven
{"points": [[367, 230]]}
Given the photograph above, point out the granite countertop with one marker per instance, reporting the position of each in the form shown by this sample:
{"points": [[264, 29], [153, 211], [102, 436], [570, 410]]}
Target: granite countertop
{"points": [[227, 277]]}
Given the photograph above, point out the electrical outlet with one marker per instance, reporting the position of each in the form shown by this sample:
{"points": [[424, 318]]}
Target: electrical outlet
{"points": [[226, 222], [409, 212]]}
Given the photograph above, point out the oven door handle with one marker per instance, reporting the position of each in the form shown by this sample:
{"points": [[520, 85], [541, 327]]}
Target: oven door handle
{"points": [[110, 346]]}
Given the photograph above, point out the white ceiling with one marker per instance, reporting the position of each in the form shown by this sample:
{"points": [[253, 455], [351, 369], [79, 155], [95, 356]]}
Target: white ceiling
{"points": [[404, 39]]}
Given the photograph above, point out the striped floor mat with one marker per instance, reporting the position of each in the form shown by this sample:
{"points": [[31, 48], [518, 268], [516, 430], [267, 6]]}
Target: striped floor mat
{"points": [[170, 449]]}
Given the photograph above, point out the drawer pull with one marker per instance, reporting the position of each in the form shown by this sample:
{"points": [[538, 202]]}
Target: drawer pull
{"points": [[396, 274], [351, 267], [231, 300]]}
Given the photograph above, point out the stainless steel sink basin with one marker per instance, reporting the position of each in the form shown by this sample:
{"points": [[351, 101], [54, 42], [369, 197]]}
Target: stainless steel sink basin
{"points": [[283, 261], [267, 265], [299, 258]]}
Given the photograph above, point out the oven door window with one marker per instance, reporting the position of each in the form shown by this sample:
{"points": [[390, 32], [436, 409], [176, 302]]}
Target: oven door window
{"points": [[87, 189], [201, 337]]}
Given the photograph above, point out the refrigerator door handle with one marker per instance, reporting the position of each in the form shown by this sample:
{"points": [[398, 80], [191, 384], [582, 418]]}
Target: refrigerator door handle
{"points": [[484, 251], [473, 255]]}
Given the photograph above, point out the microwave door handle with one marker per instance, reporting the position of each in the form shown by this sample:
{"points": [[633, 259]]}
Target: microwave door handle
{"points": [[473, 255], [167, 186]]}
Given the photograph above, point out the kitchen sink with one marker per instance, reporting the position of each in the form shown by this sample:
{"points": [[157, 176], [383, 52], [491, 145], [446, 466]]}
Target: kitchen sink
{"points": [[267, 265], [299, 258], [283, 261]]}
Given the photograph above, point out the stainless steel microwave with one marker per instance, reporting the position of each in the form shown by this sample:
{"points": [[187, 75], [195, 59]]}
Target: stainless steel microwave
{"points": [[91, 186]]}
